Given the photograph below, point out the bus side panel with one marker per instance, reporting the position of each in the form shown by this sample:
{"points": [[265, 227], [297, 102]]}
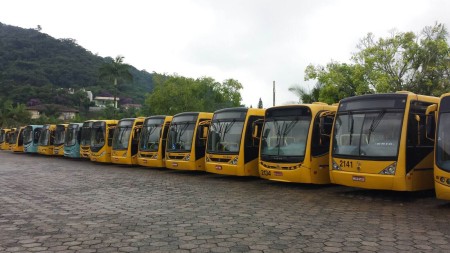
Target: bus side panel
{"points": [[251, 168], [422, 174], [320, 173]]}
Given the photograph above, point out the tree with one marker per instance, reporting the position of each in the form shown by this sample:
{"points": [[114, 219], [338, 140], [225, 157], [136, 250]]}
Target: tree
{"points": [[260, 104], [176, 94], [335, 82], [13, 116], [116, 71], [304, 96], [403, 61]]}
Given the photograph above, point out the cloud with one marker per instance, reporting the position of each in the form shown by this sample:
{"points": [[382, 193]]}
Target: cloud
{"points": [[255, 42]]}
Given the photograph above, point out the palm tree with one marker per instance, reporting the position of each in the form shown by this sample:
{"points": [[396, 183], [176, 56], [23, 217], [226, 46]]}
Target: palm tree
{"points": [[305, 96], [114, 71]]}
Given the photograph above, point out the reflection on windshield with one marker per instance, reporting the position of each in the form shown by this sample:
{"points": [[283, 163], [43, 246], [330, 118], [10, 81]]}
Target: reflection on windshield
{"points": [[443, 142], [374, 134], [71, 137], [86, 135], [285, 137], [98, 136], [13, 138], [150, 138], [225, 136], [28, 135], [121, 137], [44, 138], [59, 135], [180, 136]]}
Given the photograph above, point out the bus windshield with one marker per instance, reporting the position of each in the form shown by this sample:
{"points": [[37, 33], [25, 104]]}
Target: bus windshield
{"points": [[285, 138], [13, 138], [122, 135], [368, 134], [28, 134], [44, 138], [151, 133], [60, 134], [71, 137], [98, 135], [443, 142], [225, 136], [180, 136], [86, 134]]}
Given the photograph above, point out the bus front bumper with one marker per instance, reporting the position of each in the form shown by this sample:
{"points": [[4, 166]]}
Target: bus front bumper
{"points": [[364, 180], [442, 191]]}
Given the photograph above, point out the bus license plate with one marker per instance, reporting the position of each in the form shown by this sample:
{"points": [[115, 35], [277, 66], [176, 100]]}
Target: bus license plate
{"points": [[175, 164], [278, 173], [218, 167], [359, 179]]}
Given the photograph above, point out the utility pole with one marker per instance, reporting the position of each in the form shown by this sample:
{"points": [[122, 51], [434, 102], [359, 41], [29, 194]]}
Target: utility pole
{"points": [[273, 93]]}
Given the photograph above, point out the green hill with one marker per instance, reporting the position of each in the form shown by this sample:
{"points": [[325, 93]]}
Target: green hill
{"points": [[35, 66]]}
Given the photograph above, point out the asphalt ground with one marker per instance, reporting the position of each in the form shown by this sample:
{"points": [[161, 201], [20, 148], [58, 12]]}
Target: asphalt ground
{"points": [[54, 204]]}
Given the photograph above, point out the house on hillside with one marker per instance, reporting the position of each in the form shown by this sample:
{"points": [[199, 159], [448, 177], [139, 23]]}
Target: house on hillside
{"points": [[63, 112], [102, 102], [128, 106]]}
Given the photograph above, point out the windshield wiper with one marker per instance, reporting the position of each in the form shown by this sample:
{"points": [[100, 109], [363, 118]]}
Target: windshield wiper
{"points": [[350, 124], [375, 122], [227, 128]]}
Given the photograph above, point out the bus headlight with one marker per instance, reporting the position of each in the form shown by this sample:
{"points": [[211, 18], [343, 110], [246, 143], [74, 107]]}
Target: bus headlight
{"points": [[389, 170], [234, 161], [124, 155], [335, 166], [102, 154], [187, 158], [208, 159], [155, 156]]}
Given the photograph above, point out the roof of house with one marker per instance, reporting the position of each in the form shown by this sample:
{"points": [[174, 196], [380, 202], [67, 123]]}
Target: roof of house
{"points": [[59, 108], [106, 98]]}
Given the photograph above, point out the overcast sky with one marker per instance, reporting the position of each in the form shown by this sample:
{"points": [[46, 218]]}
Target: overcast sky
{"points": [[254, 41]]}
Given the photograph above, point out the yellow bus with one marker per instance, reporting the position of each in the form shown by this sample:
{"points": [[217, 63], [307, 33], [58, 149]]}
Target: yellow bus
{"points": [[101, 140], [60, 136], [379, 142], [231, 148], [17, 145], [186, 141], [47, 140], [152, 143], [85, 143], [295, 143], [11, 139], [442, 146], [126, 140], [4, 138]]}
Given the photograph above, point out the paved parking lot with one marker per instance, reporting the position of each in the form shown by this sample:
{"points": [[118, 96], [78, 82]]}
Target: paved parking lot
{"points": [[50, 204]]}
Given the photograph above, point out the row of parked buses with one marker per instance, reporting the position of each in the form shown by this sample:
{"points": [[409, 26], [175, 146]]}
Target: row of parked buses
{"points": [[377, 141]]}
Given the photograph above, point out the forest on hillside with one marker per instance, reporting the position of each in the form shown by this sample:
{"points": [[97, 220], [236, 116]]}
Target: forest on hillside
{"points": [[37, 68]]}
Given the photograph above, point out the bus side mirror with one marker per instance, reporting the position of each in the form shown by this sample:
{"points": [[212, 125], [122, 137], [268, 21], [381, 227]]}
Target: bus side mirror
{"points": [[430, 127], [204, 132], [326, 123], [430, 122], [417, 117], [255, 132]]}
